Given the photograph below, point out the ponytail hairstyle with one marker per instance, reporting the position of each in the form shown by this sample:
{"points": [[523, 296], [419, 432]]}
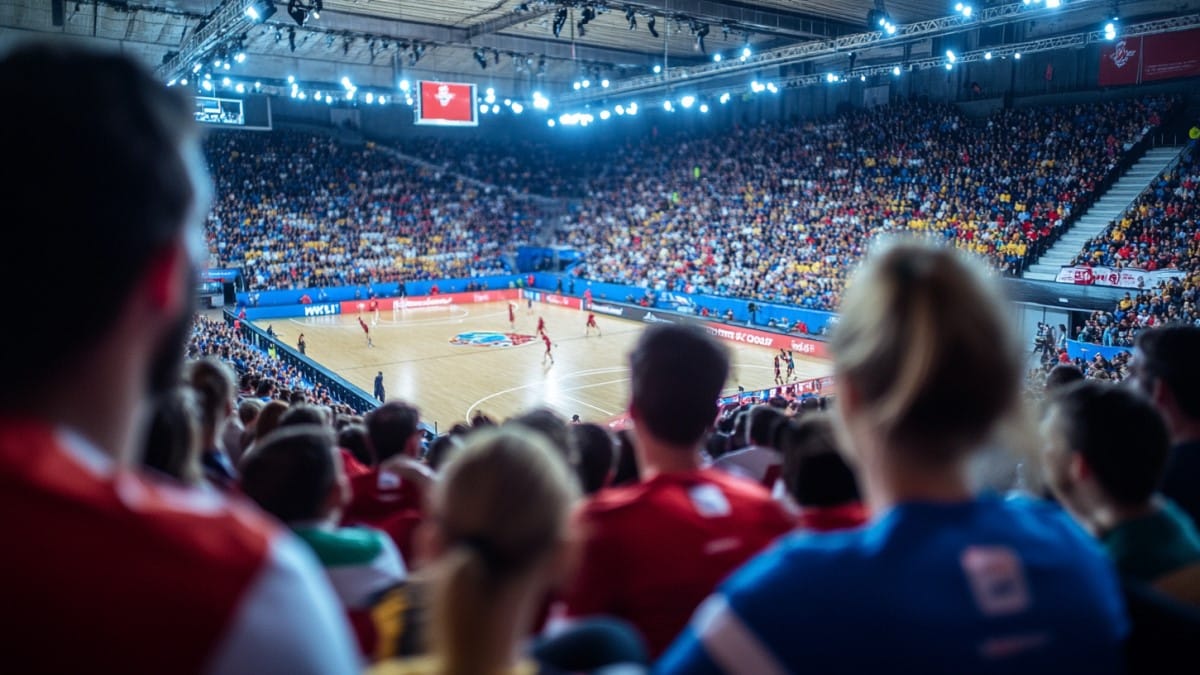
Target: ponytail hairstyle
{"points": [[214, 384], [502, 506], [924, 342]]}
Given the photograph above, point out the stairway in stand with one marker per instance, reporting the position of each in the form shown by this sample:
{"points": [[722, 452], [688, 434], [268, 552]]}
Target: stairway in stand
{"points": [[1108, 208]]}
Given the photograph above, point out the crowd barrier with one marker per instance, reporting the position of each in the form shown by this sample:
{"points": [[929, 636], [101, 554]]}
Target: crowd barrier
{"points": [[724, 331], [1089, 350], [690, 303], [338, 294], [818, 386], [384, 304]]}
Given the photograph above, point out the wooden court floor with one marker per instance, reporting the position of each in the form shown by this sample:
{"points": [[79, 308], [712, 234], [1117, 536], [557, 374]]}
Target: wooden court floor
{"points": [[450, 382]]}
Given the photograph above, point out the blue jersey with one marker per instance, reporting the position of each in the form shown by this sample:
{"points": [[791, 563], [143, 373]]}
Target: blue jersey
{"points": [[988, 586]]}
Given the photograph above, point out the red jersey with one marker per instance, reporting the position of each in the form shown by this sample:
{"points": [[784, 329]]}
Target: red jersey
{"points": [[511, 318], [363, 324], [142, 577], [591, 319], [541, 324], [546, 339], [381, 499], [374, 305], [656, 549]]}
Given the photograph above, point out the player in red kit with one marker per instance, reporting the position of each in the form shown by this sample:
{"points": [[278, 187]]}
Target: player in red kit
{"points": [[512, 317], [587, 298], [374, 307], [778, 376], [591, 323], [547, 355], [541, 328], [366, 331]]}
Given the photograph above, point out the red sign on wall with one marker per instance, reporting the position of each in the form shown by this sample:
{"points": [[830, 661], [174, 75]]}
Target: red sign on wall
{"points": [[446, 104], [1154, 57]]}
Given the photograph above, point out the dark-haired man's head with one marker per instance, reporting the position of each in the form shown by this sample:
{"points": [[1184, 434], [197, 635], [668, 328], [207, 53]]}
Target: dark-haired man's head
{"points": [[265, 388], [353, 437], [302, 413], [1166, 367], [763, 423], [295, 475], [1105, 448], [1062, 375], [677, 376], [551, 425], [596, 452], [814, 471], [394, 429], [128, 339]]}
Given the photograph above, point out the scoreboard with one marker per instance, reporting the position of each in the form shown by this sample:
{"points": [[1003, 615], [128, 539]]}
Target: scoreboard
{"points": [[448, 104]]}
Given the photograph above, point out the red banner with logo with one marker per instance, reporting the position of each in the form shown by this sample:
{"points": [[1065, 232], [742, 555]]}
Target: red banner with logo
{"points": [[760, 338], [1154, 57], [446, 104]]}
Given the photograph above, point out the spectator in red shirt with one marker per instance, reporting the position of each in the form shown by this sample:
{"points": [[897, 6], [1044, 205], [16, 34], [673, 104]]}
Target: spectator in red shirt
{"points": [[654, 549], [389, 496]]}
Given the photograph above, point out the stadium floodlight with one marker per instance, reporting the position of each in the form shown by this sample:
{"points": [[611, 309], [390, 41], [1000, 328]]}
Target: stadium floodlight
{"points": [[1110, 30], [668, 106], [724, 98], [404, 85], [896, 71], [657, 69], [746, 53], [260, 10], [951, 56], [968, 11], [517, 108], [495, 108], [687, 101], [1017, 55], [703, 107], [604, 83], [1053, 4], [631, 109], [604, 114], [987, 56], [620, 109], [717, 57], [550, 123], [369, 98]]}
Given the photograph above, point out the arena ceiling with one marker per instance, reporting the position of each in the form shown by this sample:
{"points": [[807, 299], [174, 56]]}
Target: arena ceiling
{"points": [[508, 43]]}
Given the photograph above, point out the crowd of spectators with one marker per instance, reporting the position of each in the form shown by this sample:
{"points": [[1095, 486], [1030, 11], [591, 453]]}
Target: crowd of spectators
{"points": [[256, 366], [525, 165], [301, 210], [782, 212]]}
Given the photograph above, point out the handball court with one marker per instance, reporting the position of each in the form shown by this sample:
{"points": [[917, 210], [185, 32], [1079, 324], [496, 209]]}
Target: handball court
{"points": [[450, 382]]}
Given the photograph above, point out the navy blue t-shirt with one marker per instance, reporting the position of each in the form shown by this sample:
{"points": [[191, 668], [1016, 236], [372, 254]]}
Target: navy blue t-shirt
{"points": [[988, 586]]}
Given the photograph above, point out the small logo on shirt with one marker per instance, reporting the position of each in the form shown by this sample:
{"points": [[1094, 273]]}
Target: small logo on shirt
{"points": [[709, 501], [997, 579]]}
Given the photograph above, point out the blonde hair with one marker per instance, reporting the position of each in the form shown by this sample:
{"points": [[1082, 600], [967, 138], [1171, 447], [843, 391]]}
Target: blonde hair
{"points": [[924, 343], [502, 506]]}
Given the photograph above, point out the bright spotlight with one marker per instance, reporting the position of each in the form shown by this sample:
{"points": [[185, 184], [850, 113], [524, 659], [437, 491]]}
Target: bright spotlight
{"points": [[1017, 55], [657, 69], [772, 88], [896, 71], [831, 78], [958, 7], [950, 56], [575, 85], [604, 114], [687, 101], [620, 109], [291, 79], [746, 53], [717, 58], [517, 108], [667, 105], [495, 108], [369, 98], [967, 11], [225, 82], [1053, 4], [632, 109], [586, 83], [404, 85], [987, 56], [949, 66], [724, 98], [1110, 31], [703, 107], [604, 83], [550, 123], [346, 83], [240, 57], [207, 84]]}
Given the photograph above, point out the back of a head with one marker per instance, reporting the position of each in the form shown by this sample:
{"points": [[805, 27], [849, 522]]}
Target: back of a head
{"points": [[303, 413], [677, 373], [551, 425], [502, 505], [627, 471], [441, 449], [924, 344], [391, 426], [1171, 354], [763, 423], [291, 472], [269, 418], [248, 410], [212, 380], [1120, 434], [124, 144], [813, 468], [172, 445], [1062, 375], [353, 437], [596, 455], [264, 388]]}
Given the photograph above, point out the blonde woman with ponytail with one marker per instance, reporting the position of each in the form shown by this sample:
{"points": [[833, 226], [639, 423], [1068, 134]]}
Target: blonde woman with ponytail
{"points": [[499, 542], [942, 579]]}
